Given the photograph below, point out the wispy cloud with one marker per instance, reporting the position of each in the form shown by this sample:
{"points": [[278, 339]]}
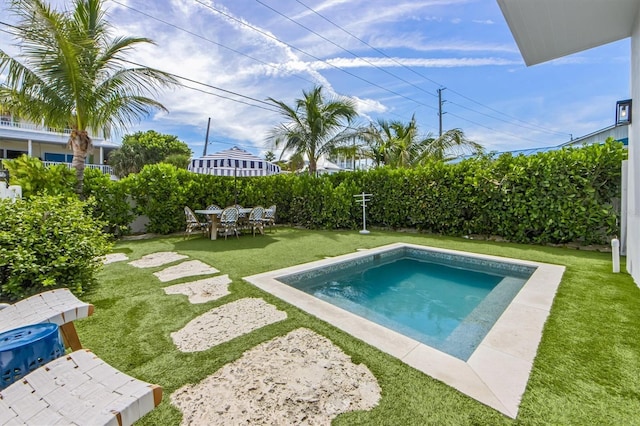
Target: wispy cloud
{"points": [[417, 42]]}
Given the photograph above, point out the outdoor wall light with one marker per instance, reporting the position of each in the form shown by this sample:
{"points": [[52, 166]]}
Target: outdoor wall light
{"points": [[623, 112]]}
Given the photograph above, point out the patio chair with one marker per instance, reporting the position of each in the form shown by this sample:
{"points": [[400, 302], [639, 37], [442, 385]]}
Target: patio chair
{"points": [[57, 306], [212, 207], [193, 223], [229, 221], [243, 220], [80, 389], [256, 217], [270, 216]]}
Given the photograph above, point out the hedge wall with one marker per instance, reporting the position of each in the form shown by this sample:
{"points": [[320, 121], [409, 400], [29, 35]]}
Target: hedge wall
{"points": [[570, 195]]}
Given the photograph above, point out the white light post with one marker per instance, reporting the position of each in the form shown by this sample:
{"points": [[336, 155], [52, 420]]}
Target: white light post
{"points": [[362, 198]]}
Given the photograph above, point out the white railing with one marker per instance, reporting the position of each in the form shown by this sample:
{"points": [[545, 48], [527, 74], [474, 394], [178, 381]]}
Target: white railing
{"points": [[102, 168], [30, 126]]}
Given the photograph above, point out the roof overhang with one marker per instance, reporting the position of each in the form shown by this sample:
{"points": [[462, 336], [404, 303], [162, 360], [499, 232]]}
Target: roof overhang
{"points": [[550, 29]]}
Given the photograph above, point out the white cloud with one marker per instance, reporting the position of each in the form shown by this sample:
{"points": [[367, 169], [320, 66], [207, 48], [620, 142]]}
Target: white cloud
{"points": [[483, 21]]}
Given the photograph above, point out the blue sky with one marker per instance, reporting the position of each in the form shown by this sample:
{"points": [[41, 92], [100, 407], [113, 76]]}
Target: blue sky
{"points": [[389, 56]]}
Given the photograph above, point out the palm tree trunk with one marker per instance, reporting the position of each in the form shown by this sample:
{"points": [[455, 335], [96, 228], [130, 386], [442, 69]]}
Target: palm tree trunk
{"points": [[312, 166], [80, 143]]}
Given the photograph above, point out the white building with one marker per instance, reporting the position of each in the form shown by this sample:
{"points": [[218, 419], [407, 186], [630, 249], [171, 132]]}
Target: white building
{"points": [[19, 137], [550, 29]]}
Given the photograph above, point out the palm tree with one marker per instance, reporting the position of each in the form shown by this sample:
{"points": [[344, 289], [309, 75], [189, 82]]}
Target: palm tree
{"points": [[314, 126], [398, 144], [393, 143], [71, 74], [451, 144]]}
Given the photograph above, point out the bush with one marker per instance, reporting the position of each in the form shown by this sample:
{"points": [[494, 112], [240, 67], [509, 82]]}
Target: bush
{"points": [[111, 201], [48, 242], [569, 195], [36, 179]]}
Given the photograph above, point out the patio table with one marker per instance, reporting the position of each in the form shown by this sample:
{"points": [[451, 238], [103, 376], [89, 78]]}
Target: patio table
{"points": [[214, 215]]}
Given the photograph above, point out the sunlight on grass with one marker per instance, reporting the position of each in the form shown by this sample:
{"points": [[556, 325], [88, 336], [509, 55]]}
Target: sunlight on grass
{"points": [[585, 372]]}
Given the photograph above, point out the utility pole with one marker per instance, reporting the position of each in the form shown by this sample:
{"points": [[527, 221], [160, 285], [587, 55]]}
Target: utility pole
{"points": [[206, 138], [440, 113]]}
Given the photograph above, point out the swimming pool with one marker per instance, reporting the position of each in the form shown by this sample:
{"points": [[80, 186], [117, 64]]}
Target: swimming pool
{"points": [[447, 303], [496, 370]]}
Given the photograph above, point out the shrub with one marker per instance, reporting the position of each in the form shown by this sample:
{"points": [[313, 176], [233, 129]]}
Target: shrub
{"points": [[111, 201], [36, 179], [48, 242], [569, 195]]}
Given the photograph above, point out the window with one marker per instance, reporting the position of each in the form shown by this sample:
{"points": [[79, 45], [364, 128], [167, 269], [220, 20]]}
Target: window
{"points": [[58, 158], [15, 154]]}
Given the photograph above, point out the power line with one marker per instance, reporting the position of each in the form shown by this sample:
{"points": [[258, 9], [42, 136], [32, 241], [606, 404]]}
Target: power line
{"points": [[343, 48], [429, 79], [309, 54], [205, 39]]}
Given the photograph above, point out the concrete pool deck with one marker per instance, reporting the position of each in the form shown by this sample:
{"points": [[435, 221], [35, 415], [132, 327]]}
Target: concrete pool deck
{"points": [[497, 372]]}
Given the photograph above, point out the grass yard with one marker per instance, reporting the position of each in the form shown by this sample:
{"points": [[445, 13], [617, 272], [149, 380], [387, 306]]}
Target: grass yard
{"points": [[586, 371]]}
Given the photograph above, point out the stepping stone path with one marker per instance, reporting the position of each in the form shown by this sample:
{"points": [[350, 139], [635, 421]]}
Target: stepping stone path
{"points": [[202, 291], [226, 322], [157, 259], [185, 269], [113, 257], [299, 378]]}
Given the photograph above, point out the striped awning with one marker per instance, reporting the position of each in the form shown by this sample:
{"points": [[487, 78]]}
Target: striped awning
{"points": [[233, 162]]}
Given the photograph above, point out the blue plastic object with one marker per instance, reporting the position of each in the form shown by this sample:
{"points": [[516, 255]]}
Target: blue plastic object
{"points": [[24, 349]]}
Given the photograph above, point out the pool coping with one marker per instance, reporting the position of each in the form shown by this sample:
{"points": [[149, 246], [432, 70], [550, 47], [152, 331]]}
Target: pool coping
{"points": [[497, 372]]}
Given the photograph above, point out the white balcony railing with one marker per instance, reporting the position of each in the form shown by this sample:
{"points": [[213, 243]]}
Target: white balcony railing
{"points": [[102, 168], [29, 126]]}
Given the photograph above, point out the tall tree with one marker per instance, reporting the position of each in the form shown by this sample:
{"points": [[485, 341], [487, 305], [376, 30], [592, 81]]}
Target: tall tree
{"points": [[399, 144], [150, 147], [451, 144], [314, 126], [70, 73], [393, 143]]}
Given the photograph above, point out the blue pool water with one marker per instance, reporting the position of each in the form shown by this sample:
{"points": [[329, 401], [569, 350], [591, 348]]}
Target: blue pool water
{"points": [[449, 304]]}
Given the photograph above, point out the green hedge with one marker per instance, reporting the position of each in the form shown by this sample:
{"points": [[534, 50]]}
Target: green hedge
{"points": [[48, 242], [560, 196]]}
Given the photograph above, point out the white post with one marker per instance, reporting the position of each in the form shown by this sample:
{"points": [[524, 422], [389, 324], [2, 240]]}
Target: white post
{"points": [[615, 254], [363, 199]]}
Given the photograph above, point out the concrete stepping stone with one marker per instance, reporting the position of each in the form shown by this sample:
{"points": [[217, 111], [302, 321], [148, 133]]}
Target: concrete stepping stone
{"points": [[185, 269], [113, 257], [226, 322], [298, 378], [157, 259], [202, 291]]}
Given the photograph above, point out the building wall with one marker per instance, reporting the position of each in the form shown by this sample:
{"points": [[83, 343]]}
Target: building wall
{"points": [[633, 182], [38, 149]]}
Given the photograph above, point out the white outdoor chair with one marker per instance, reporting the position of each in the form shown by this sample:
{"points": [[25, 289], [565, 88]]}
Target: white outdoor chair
{"points": [[270, 216], [77, 389], [256, 217], [229, 221], [57, 306], [193, 224]]}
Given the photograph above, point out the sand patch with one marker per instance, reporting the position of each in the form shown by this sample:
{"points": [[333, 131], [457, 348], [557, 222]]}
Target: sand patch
{"points": [[157, 259], [185, 269], [226, 322], [300, 378], [202, 291], [113, 257]]}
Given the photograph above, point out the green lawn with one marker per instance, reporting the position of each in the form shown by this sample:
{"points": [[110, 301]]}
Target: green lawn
{"points": [[586, 372]]}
